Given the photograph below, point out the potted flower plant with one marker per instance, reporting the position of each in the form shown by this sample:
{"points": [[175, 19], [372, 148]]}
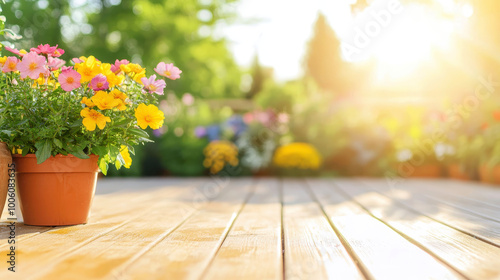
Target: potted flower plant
{"points": [[66, 122]]}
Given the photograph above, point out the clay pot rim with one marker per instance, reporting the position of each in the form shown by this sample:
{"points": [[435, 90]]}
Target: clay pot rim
{"points": [[57, 156]]}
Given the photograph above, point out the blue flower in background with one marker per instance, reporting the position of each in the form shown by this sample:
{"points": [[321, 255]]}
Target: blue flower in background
{"points": [[237, 125], [213, 132]]}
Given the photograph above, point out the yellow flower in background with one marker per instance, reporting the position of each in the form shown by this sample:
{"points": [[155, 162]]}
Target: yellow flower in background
{"points": [[88, 69], [104, 100], [42, 81], [88, 102], [18, 151], [126, 156], [91, 118], [297, 155], [149, 115], [2, 60], [218, 154]]}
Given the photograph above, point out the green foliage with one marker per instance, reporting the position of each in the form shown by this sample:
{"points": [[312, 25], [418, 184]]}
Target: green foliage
{"points": [[145, 32]]}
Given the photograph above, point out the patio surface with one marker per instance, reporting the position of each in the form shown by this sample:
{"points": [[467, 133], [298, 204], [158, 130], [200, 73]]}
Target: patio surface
{"points": [[243, 228]]}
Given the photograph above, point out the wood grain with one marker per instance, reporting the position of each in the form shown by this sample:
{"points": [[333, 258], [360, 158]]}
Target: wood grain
{"points": [[475, 225], [374, 243], [187, 252], [468, 255], [56, 247], [252, 249], [312, 249]]}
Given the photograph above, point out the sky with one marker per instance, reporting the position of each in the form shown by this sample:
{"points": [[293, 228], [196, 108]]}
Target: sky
{"points": [[281, 34], [281, 30]]}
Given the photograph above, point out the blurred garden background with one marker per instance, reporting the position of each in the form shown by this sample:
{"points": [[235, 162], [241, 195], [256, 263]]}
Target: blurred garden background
{"points": [[322, 87]]}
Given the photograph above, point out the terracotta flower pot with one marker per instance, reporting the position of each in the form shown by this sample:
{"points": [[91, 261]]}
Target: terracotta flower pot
{"points": [[489, 175], [427, 171], [5, 161], [57, 192], [456, 172]]}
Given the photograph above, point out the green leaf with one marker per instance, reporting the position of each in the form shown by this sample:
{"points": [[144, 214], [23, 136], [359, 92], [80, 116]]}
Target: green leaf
{"points": [[138, 132], [103, 165], [26, 151], [79, 154], [114, 152], [122, 122], [58, 143], [76, 123], [43, 151], [146, 140], [100, 150]]}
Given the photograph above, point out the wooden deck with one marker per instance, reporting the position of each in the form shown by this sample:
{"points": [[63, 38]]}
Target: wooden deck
{"points": [[231, 228]]}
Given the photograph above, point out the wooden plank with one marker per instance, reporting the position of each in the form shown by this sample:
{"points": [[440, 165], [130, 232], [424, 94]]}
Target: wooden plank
{"points": [[312, 249], [470, 196], [252, 249], [472, 257], [117, 192], [186, 252], [384, 253], [477, 226], [57, 248]]}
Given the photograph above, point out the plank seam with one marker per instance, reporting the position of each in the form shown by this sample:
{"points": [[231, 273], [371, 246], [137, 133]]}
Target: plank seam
{"points": [[228, 230], [411, 240], [352, 254], [282, 228], [398, 202], [75, 248]]}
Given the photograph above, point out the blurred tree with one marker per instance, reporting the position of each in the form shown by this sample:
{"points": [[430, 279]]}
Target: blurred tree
{"points": [[258, 78], [146, 32], [323, 62]]}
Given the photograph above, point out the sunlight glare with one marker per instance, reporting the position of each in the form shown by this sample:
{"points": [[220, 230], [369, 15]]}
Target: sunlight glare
{"points": [[410, 41]]}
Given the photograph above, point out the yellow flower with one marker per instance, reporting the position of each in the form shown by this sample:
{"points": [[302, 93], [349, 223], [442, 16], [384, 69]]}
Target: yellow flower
{"points": [[149, 115], [93, 118], [218, 154], [88, 102], [118, 94], [88, 68], [126, 156], [135, 71], [105, 101], [2, 60], [297, 155]]}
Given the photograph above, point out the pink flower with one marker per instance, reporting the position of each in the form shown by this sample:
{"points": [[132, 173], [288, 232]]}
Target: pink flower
{"points": [[32, 65], [168, 70], [48, 50], [116, 67], [65, 68], [55, 63], [188, 99], [77, 60], [10, 64], [14, 51], [69, 79], [153, 86], [99, 82]]}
